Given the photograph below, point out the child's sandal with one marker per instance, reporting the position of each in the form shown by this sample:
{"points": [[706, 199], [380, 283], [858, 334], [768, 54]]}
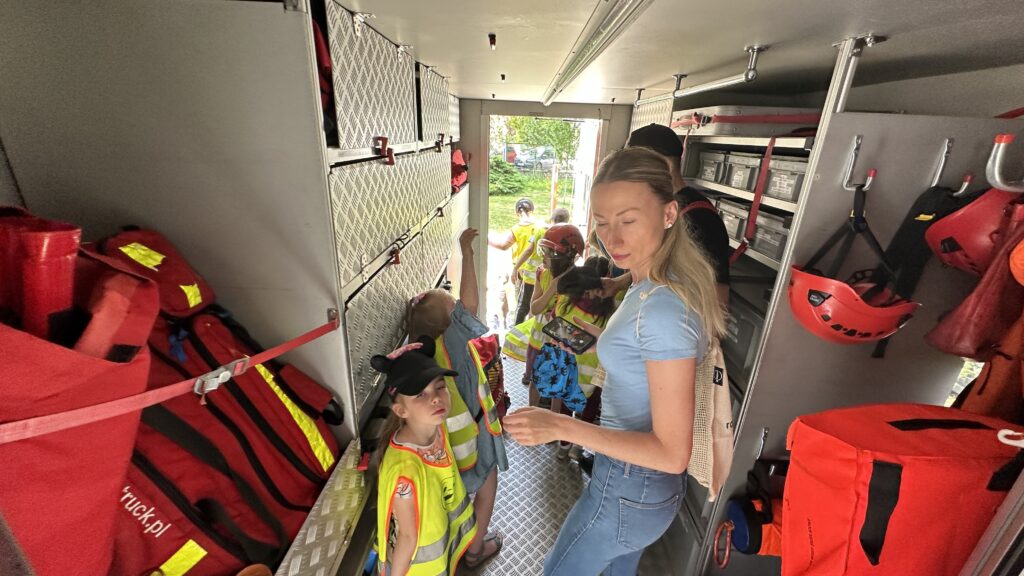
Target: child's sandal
{"points": [[474, 560]]}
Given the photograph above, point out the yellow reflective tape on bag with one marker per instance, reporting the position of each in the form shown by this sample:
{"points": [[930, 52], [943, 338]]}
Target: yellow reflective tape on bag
{"points": [[183, 560], [303, 421], [144, 255], [195, 298]]}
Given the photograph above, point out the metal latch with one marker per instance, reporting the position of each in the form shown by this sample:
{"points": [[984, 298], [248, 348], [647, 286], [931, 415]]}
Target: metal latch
{"points": [[439, 143], [381, 148], [213, 379]]}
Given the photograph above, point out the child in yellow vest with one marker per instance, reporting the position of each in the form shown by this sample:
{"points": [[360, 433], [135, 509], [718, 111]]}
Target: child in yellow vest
{"points": [[425, 520], [475, 431]]}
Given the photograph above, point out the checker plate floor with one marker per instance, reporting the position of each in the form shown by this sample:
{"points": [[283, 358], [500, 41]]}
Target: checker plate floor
{"points": [[534, 497]]}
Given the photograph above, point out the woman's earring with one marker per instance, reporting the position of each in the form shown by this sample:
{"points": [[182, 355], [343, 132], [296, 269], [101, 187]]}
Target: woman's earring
{"points": [[668, 225]]}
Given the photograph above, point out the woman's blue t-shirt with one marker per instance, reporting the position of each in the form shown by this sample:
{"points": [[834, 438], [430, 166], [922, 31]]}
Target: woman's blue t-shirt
{"points": [[652, 323]]}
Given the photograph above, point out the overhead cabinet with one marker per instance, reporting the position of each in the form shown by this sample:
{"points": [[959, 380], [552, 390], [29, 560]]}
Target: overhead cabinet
{"points": [[433, 103], [374, 84]]}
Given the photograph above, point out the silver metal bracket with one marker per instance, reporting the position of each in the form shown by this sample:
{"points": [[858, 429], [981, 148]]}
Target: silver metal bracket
{"points": [[332, 314], [941, 167], [761, 444], [215, 378], [404, 51], [363, 263], [296, 6], [359, 22], [850, 51], [851, 162], [751, 74]]}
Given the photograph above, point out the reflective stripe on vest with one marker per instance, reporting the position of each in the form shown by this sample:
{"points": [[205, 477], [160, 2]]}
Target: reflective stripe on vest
{"points": [[183, 560], [443, 509], [316, 441], [462, 428], [517, 340]]}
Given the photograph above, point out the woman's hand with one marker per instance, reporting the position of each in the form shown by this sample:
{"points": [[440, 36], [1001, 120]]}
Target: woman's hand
{"points": [[533, 426], [467, 237]]}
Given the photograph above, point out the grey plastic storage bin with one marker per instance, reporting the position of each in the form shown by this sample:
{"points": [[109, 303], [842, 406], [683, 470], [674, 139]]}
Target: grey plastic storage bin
{"points": [[770, 234], [734, 216], [742, 335], [741, 171], [785, 177], [712, 166]]}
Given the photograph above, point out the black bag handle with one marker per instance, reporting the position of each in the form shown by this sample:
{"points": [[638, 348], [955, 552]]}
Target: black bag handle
{"points": [[883, 494]]}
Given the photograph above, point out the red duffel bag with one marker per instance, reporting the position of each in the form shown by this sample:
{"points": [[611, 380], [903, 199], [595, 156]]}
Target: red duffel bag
{"points": [[57, 489], [891, 489]]}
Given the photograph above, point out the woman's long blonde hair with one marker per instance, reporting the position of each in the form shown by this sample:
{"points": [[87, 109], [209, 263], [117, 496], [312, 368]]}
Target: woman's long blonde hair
{"points": [[679, 262]]}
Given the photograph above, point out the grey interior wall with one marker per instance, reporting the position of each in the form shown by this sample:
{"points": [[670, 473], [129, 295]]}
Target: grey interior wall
{"points": [[9, 194], [979, 93], [475, 135]]}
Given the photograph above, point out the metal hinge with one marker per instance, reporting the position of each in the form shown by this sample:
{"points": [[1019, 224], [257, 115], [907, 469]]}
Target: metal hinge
{"points": [[359, 22]]}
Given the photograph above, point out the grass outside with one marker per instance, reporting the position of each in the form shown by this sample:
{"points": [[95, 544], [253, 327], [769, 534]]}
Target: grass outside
{"points": [[502, 214]]}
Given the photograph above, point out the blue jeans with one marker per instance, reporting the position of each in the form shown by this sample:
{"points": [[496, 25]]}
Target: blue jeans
{"points": [[625, 509]]}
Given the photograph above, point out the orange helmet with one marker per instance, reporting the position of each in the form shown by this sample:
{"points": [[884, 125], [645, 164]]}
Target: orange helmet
{"points": [[562, 241], [1017, 262], [966, 239], [862, 309]]}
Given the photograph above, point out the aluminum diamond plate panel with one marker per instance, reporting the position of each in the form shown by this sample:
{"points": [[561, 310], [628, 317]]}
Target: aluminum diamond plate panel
{"points": [[323, 538], [434, 106], [374, 84], [372, 204], [373, 325], [431, 251], [653, 113], [373, 318], [453, 118], [433, 179]]}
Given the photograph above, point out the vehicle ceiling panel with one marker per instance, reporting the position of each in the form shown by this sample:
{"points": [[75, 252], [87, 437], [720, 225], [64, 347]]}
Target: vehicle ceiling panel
{"points": [[702, 38]]}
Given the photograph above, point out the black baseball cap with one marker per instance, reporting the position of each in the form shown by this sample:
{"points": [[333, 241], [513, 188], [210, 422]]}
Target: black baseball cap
{"points": [[657, 137], [409, 372]]}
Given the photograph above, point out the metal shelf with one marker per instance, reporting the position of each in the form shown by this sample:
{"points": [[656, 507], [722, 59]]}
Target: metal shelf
{"points": [[748, 196], [754, 254], [790, 143]]}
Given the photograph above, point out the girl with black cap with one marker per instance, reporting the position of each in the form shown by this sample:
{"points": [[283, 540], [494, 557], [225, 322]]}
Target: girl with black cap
{"points": [[425, 521]]}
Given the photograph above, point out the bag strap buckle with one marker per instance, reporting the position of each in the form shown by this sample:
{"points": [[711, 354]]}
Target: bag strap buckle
{"points": [[213, 379]]}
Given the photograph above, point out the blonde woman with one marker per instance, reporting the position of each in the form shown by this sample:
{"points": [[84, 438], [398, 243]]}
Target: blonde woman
{"points": [[650, 350]]}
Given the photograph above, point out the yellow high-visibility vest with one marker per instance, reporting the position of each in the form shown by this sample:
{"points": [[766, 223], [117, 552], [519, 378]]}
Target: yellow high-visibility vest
{"points": [[461, 423], [446, 525]]}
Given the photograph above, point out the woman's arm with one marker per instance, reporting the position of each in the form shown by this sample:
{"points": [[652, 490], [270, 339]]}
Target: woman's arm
{"points": [[667, 447], [404, 511], [501, 241], [469, 292]]}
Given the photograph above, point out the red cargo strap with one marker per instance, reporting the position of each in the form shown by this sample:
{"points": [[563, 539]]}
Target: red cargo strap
{"points": [[768, 119], [695, 119], [762, 180], [698, 205], [39, 425], [1016, 113]]}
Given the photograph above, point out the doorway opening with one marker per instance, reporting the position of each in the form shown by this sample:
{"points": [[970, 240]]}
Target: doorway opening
{"points": [[547, 165]]}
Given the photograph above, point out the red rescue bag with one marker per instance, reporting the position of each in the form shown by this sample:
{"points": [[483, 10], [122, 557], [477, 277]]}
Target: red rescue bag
{"points": [[490, 356], [891, 489], [161, 531], [975, 328], [271, 423], [57, 490]]}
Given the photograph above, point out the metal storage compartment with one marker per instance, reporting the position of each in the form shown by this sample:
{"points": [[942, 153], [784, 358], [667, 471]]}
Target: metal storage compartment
{"points": [[785, 177], [433, 105], [742, 169], [742, 334], [374, 84], [734, 216], [741, 120], [453, 118], [712, 166], [770, 234]]}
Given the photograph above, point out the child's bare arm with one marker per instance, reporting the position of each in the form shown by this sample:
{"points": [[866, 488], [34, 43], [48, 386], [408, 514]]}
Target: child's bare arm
{"points": [[404, 511]]}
